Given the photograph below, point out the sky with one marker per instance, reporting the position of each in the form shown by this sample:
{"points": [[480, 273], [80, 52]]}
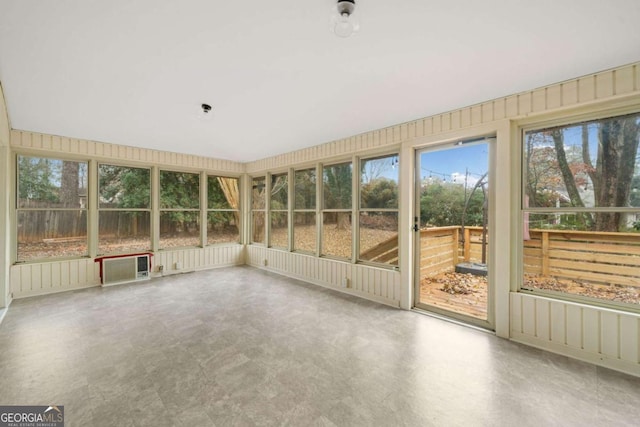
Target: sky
{"points": [[452, 163]]}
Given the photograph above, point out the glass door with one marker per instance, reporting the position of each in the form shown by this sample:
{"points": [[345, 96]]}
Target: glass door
{"points": [[452, 212]]}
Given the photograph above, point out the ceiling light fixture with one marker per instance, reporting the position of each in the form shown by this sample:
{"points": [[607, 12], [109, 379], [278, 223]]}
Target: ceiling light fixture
{"points": [[344, 23], [205, 113]]}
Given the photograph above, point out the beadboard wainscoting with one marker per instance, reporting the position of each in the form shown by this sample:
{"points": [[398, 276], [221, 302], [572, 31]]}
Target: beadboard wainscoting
{"points": [[49, 277], [194, 259], [373, 283], [609, 338]]}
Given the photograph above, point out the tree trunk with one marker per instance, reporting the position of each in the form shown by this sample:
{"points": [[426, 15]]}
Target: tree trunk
{"points": [[343, 222], [69, 185], [568, 178], [618, 148]]}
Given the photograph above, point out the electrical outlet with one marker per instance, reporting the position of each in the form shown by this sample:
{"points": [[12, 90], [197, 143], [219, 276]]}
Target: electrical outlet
{"points": [[178, 265], [160, 268], [264, 262], [345, 282]]}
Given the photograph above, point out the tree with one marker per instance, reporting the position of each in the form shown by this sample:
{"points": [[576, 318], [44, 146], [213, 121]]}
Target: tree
{"points": [[379, 193], [36, 180], [608, 182], [180, 190], [124, 187], [612, 177], [442, 204], [337, 192]]}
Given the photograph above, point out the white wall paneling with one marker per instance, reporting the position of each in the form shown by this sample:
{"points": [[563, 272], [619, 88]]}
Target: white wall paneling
{"points": [[377, 284], [57, 276], [50, 277], [56, 145], [604, 336], [193, 259]]}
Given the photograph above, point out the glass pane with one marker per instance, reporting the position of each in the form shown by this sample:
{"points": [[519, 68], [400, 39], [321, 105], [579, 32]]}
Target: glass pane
{"points": [[379, 237], [590, 164], [178, 229], [51, 234], [222, 227], [179, 190], [305, 193], [560, 221], [257, 193], [257, 227], [51, 183], [337, 186], [223, 193], [559, 256], [279, 230], [455, 236], [124, 187], [304, 231], [279, 192], [336, 234], [124, 232], [379, 183]]}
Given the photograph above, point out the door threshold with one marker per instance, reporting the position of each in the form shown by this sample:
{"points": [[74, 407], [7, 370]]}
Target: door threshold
{"points": [[452, 320]]}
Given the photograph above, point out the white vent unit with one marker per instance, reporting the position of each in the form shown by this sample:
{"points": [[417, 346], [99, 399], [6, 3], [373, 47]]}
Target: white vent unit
{"points": [[125, 269]]}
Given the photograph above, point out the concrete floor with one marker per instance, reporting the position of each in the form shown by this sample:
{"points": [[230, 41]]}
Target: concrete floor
{"points": [[239, 346]]}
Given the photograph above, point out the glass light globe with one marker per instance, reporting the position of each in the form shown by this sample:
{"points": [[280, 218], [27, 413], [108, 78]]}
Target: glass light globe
{"points": [[343, 21], [344, 27]]}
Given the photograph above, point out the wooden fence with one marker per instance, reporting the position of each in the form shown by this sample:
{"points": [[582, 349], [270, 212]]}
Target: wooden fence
{"points": [[599, 257]]}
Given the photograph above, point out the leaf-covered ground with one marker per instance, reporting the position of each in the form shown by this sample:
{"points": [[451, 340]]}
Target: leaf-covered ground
{"points": [[336, 242], [466, 293]]}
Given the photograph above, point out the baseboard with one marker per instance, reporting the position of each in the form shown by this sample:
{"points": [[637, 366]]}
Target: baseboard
{"points": [[576, 353]]}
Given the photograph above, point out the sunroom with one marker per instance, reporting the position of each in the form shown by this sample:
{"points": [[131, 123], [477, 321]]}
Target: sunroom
{"points": [[511, 205]]}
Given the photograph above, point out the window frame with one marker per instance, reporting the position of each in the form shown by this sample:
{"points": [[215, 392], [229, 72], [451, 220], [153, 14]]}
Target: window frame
{"points": [[238, 211], [162, 210], [252, 209], [533, 125], [314, 210], [323, 209], [359, 209], [271, 177], [99, 209], [16, 209]]}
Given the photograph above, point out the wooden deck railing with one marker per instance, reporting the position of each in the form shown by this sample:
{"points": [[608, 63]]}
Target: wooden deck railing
{"points": [[597, 257], [441, 248]]}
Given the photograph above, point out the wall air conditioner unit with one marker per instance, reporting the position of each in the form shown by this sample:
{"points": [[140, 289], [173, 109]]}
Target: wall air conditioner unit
{"points": [[125, 269]]}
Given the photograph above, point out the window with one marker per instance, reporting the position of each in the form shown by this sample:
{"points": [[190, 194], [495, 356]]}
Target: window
{"points": [[124, 209], [337, 210], [223, 210], [580, 207], [279, 211], [179, 209], [378, 210], [258, 209], [304, 211], [51, 208]]}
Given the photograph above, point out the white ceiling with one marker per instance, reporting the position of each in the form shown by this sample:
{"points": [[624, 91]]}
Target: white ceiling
{"points": [[135, 72]]}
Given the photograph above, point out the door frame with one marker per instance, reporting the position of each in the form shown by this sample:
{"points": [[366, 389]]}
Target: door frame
{"points": [[489, 323]]}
